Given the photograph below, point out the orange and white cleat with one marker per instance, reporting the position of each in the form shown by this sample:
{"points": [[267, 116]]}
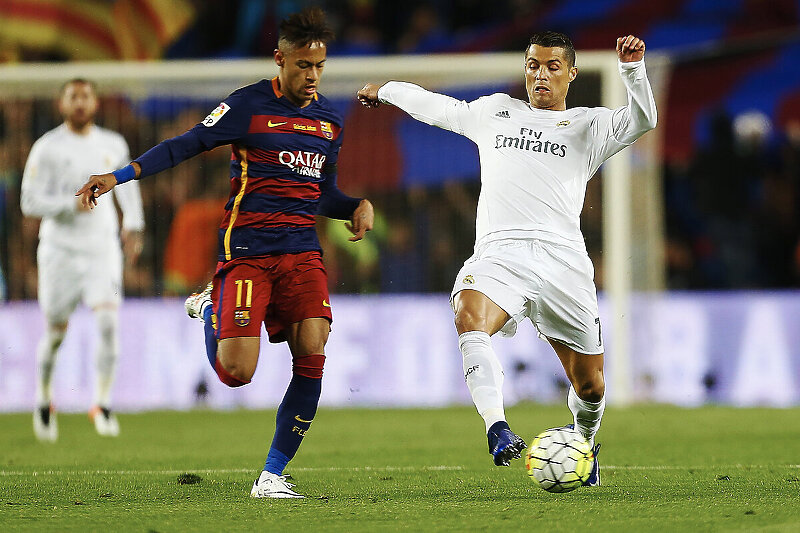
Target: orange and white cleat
{"points": [[197, 302], [104, 420]]}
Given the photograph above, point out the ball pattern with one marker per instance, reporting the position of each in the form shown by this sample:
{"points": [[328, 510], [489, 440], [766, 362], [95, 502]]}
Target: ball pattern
{"points": [[559, 460]]}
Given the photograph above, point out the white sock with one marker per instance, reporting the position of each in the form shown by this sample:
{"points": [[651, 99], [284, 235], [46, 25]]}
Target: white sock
{"points": [[106, 356], [587, 415], [45, 362], [484, 375]]}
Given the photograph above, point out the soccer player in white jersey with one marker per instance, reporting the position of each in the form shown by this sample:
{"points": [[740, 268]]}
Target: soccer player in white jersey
{"points": [[530, 259], [79, 255]]}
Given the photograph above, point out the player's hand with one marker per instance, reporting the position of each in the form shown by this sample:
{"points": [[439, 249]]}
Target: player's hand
{"points": [[95, 187], [132, 244], [80, 206], [361, 223], [368, 95], [630, 48]]}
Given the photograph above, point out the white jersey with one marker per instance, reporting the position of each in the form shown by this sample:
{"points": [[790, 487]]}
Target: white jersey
{"points": [[58, 165], [535, 163]]}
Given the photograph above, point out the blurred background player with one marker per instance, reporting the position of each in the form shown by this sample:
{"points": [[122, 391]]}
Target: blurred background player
{"points": [[79, 255], [285, 140], [530, 258]]}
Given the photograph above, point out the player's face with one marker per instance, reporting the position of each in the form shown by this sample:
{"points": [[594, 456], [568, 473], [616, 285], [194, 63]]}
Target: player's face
{"points": [[547, 77], [78, 105], [300, 71]]}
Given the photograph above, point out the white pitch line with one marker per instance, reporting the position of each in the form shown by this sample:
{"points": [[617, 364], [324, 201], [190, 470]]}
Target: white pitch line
{"points": [[9, 473], [20, 473], [703, 467]]}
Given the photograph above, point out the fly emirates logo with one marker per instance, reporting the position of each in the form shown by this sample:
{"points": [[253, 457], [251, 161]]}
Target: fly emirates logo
{"points": [[531, 140], [303, 163]]}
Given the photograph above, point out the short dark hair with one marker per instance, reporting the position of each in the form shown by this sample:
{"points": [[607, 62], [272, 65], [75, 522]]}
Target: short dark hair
{"points": [[304, 27], [553, 39], [80, 81]]}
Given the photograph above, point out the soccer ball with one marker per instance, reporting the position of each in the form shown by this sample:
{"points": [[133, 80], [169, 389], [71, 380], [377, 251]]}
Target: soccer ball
{"points": [[559, 459]]}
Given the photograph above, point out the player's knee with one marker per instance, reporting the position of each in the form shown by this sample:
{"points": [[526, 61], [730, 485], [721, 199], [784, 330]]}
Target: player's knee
{"points": [[107, 318], [234, 371], [107, 323], [308, 346], [236, 360], [309, 366], [55, 333], [233, 374], [468, 320], [591, 390]]}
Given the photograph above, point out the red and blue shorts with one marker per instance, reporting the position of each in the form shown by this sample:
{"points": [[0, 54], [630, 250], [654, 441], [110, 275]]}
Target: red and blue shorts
{"points": [[276, 290]]}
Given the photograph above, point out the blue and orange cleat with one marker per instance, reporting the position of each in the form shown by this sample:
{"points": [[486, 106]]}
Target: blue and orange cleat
{"points": [[504, 444], [594, 476]]}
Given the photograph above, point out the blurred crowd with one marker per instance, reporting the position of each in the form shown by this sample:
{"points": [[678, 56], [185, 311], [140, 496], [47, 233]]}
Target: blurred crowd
{"points": [[733, 209], [245, 28]]}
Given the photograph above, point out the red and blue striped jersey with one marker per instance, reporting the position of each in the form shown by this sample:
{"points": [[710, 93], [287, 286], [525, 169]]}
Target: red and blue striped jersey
{"points": [[283, 168]]}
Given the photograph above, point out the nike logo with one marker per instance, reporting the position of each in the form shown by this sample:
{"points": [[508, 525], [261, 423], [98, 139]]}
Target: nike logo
{"points": [[273, 124], [325, 304], [297, 417]]}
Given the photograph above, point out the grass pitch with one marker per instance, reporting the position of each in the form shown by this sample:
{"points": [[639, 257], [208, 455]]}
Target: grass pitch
{"points": [[663, 468]]}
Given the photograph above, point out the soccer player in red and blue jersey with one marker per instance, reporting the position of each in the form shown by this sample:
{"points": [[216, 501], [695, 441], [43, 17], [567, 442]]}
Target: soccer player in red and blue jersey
{"points": [[285, 141]]}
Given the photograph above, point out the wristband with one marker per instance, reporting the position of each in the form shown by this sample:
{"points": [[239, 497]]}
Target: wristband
{"points": [[125, 174]]}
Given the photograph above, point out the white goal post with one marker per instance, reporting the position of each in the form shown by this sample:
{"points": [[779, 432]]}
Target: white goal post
{"points": [[632, 252]]}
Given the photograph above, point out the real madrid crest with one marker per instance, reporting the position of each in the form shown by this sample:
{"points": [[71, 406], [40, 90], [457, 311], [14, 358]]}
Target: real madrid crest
{"points": [[468, 280]]}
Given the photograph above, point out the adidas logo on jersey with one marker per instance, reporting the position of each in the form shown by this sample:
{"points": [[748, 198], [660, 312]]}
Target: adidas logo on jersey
{"points": [[503, 114]]}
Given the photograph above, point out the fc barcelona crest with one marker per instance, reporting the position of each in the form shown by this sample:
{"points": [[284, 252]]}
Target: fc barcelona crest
{"points": [[326, 129], [241, 318]]}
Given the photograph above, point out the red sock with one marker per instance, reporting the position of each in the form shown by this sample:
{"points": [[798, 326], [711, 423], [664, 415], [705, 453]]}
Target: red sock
{"points": [[309, 366]]}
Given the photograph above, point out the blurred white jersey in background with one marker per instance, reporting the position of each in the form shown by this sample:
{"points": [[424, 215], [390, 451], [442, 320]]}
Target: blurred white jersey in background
{"points": [[59, 163]]}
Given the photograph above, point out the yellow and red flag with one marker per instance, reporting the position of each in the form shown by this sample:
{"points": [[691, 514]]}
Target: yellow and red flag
{"points": [[94, 29]]}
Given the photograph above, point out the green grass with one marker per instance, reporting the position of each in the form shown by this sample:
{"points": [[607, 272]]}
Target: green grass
{"points": [[665, 469]]}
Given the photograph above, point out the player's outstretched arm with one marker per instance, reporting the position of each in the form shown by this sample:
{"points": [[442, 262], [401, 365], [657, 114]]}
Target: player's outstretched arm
{"points": [[426, 106], [100, 184], [362, 220], [630, 48]]}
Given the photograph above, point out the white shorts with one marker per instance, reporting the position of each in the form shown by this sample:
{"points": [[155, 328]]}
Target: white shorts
{"points": [[552, 285], [66, 277]]}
